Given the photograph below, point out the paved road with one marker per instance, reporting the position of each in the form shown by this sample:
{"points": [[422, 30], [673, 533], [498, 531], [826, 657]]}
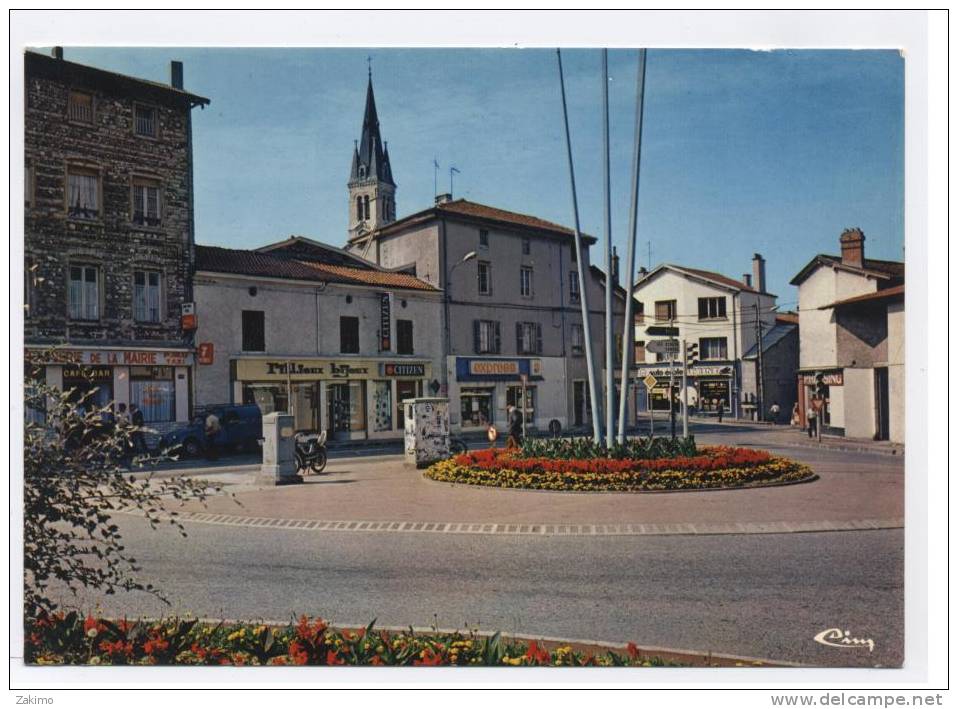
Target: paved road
{"points": [[754, 595]]}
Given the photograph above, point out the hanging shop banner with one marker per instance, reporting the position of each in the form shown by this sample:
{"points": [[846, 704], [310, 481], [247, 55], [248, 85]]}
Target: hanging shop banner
{"points": [[264, 370], [153, 358], [385, 322], [474, 369]]}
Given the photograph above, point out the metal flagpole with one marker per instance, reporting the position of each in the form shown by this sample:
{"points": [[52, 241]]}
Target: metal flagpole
{"points": [[685, 389], [628, 330], [609, 374], [580, 273]]}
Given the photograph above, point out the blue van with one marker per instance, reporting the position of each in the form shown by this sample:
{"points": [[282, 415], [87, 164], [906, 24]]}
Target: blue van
{"points": [[241, 427]]}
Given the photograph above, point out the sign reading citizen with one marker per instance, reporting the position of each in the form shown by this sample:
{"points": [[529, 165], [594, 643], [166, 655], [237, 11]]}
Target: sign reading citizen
{"points": [[385, 317]]}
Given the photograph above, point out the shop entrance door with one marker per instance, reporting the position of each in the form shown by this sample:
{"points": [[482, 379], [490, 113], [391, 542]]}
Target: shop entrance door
{"points": [[881, 403], [578, 403], [338, 411]]}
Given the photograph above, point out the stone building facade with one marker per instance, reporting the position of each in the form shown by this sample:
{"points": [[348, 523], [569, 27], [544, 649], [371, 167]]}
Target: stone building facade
{"points": [[109, 233]]}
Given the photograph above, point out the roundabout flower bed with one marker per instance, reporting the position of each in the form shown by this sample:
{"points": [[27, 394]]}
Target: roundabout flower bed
{"points": [[709, 468], [71, 639]]}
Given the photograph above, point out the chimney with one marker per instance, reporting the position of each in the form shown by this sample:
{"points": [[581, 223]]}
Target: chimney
{"points": [[853, 248], [615, 267], [758, 272], [58, 52], [642, 272], [176, 75], [747, 277], [443, 198]]}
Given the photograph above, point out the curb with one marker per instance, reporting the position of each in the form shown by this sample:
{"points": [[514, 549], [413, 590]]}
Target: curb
{"points": [[530, 529]]}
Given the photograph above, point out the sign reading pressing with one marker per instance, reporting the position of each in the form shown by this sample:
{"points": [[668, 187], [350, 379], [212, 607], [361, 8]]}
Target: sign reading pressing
{"points": [[828, 378]]}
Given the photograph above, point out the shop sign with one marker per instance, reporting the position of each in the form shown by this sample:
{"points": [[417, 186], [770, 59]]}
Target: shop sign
{"points": [[699, 370], [251, 370], [402, 369], [385, 324], [151, 358], [188, 316], [204, 353], [88, 373], [469, 369], [833, 378]]}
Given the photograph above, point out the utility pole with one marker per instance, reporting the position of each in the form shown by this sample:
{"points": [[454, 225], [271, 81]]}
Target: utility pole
{"points": [[580, 274], [628, 331], [685, 390], [760, 378], [435, 177], [609, 374], [672, 354]]}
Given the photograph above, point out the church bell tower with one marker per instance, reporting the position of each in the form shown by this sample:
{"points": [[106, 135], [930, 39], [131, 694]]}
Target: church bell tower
{"points": [[372, 191]]}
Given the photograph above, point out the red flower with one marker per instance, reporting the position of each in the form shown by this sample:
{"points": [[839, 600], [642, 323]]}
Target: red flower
{"points": [[333, 659], [430, 658], [633, 651], [537, 655]]}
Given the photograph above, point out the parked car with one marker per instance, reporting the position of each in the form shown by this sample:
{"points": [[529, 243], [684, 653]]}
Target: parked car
{"points": [[241, 427]]}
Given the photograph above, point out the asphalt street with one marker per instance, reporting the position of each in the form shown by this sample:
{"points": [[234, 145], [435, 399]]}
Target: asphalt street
{"points": [[755, 595]]}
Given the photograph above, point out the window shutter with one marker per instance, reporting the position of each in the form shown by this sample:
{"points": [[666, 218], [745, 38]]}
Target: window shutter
{"points": [[538, 338], [498, 347], [475, 337]]}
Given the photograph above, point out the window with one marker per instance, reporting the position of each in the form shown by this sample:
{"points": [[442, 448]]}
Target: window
{"points": [[84, 293], [486, 337], [404, 337], [640, 351], [664, 310], [83, 193], [254, 331], [711, 308], [144, 120], [80, 107], [146, 296], [528, 338], [578, 340], [349, 335], [146, 202], [574, 286], [526, 246], [525, 282], [152, 389], [483, 238], [28, 185], [639, 310], [366, 206], [485, 278], [713, 347], [359, 208]]}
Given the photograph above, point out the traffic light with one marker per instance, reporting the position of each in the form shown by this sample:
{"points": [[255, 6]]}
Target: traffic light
{"points": [[692, 353]]}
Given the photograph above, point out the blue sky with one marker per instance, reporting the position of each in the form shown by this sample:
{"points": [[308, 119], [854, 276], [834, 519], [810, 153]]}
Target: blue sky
{"points": [[743, 152]]}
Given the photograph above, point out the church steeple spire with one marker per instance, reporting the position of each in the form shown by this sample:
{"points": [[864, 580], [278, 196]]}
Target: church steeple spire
{"points": [[371, 185]]}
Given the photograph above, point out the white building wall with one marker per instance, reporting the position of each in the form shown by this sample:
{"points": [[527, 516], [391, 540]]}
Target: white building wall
{"points": [[896, 372], [858, 402]]}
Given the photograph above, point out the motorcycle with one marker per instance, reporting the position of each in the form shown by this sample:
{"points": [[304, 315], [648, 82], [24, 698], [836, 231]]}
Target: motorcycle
{"points": [[310, 452]]}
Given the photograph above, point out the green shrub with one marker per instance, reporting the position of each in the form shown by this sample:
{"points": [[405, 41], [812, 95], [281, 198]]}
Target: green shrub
{"points": [[583, 448]]}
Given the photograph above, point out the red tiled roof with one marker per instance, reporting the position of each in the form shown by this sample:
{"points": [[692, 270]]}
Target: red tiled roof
{"points": [[885, 294], [474, 210], [393, 279], [894, 270], [711, 275], [251, 263], [787, 318]]}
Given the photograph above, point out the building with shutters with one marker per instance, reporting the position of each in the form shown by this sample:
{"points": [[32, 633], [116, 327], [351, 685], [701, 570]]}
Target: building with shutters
{"points": [[108, 234], [721, 317], [304, 327], [511, 292]]}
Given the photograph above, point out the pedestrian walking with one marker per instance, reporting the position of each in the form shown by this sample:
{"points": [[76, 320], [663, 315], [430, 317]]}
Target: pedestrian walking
{"points": [[796, 419], [211, 429], [721, 409], [774, 411], [137, 437], [812, 417], [515, 427]]}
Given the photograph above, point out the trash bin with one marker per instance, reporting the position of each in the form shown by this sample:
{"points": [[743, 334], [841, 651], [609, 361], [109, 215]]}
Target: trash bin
{"points": [[427, 430]]}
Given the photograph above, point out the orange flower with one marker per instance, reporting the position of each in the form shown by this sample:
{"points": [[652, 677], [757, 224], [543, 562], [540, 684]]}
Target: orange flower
{"points": [[332, 658]]}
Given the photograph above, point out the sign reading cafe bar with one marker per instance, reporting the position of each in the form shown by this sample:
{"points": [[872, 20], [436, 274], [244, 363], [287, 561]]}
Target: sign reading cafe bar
{"points": [[249, 370]]}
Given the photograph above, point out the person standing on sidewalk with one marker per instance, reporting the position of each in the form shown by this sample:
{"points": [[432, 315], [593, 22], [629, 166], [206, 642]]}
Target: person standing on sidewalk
{"points": [[812, 417], [211, 428], [515, 427], [774, 411], [137, 437]]}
